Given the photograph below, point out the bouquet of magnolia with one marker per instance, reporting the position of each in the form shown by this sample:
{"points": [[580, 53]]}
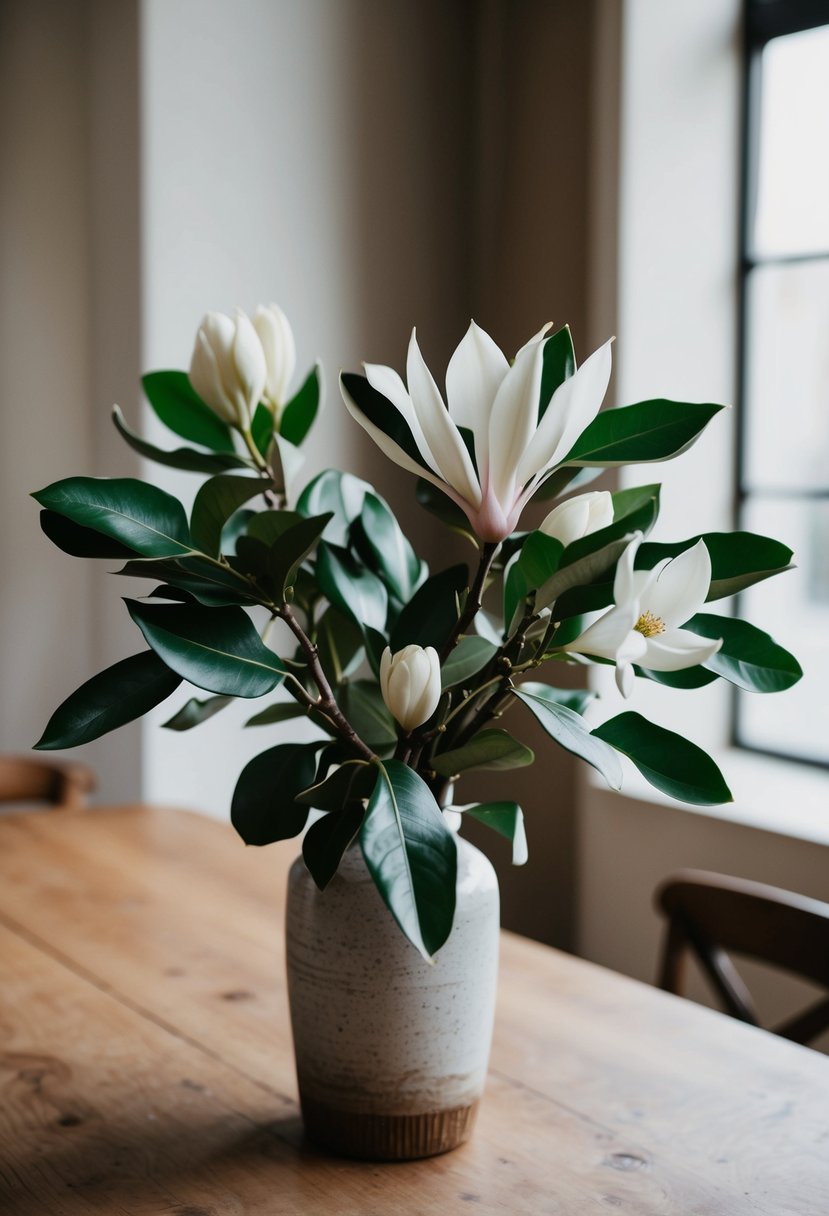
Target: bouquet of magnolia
{"points": [[407, 672]]}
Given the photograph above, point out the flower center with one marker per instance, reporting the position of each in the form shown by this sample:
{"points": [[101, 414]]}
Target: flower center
{"points": [[649, 625]]}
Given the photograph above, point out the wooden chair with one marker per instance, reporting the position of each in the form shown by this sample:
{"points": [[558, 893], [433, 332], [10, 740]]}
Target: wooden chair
{"points": [[59, 784], [709, 914]]}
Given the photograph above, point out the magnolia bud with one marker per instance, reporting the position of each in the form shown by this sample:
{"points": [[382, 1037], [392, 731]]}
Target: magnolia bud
{"points": [[579, 516], [228, 368], [277, 340], [410, 683]]}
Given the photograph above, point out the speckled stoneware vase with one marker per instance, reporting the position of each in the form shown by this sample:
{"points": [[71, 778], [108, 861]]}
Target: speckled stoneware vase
{"points": [[391, 1051]]}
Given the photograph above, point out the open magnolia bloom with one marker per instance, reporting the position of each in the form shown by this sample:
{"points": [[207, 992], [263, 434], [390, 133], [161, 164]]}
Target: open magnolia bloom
{"points": [[516, 437], [644, 625]]}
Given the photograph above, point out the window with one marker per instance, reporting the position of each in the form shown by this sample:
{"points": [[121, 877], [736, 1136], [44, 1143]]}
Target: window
{"points": [[783, 474]]}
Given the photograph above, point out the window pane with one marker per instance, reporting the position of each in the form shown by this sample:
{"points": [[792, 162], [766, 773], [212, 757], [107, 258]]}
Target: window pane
{"points": [[787, 371], [793, 171], [793, 608]]}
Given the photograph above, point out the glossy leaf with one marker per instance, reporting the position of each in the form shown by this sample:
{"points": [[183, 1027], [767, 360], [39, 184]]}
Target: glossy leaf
{"points": [[532, 568], [209, 583], [340, 493], [570, 731], [78, 541], [351, 588], [748, 657], [326, 841], [264, 806], [299, 413], [558, 364], [443, 508], [430, 616], [738, 559], [217, 649], [686, 677], [180, 408], [569, 477], [577, 576], [362, 703], [261, 428], [214, 504], [505, 818], [669, 761], [471, 654], [352, 781], [339, 644], [282, 711], [490, 749], [142, 517], [411, 856], [118, 695], [576, 699], [194, 712], [636, 434], [381, 542], [188, 459]]}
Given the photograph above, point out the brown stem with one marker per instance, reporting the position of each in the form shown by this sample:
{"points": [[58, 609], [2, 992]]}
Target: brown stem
{"points": [[473, 600]]}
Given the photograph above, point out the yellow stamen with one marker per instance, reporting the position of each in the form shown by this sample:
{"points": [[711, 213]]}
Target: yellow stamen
{"points": [[649, 625]]}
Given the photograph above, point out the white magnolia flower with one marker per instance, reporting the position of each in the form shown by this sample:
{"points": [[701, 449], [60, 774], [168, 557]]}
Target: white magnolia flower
{"points": [[579, 516], [410, 684], [516, 444], [228, 368], [644, 625], [277, 340]]}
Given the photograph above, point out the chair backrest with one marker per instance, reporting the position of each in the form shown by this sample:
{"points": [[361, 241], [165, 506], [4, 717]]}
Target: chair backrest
{"points": [[59, 784], [709, 914]]}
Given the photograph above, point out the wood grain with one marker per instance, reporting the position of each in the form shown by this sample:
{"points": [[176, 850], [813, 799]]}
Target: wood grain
{"points": [[146, 1064]]}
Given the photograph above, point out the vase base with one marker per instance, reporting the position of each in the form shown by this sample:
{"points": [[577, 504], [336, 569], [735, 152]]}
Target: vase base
{"points": [[387, 1137]]}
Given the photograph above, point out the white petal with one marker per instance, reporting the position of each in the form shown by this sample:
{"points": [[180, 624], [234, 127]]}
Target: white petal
{"points": [[439, 430], [513, 421], [473, 377], [249, 361], [388, 383], [385, 671], [676, 649], [277, 340], [206, 380], [579, 516], [612, 636], [574, 405], [624, 584], [682, 586], [625, 676]]}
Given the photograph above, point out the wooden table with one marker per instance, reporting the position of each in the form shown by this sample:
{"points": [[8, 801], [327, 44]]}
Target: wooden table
{"points": [[146, 1068]]}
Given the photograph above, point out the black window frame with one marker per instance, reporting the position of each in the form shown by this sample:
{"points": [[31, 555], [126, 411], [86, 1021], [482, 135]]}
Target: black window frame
{"points": [[763, 20]]}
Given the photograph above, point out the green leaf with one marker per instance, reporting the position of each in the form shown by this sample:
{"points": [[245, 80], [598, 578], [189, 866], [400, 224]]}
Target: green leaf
{"points": [[340, 493], [264, 806], [362, 703], [340, 645], [466, 660], [299, 414], [352, 781], [118, 695], [569, 477], [261, 428], [282, 711], [738, 559], [411, 856], [570, 731], [558, 364], [188, 459], [180, 408], [292, 548], [636, 434], [380, 541], [209, 583], [144, 518], [217, 649], [381, 413], [686, 677], [670, 762], [533, 567], [194, 712], [576, 577], [748, 657], [443, 508], [430, 616], [492, 749], [235, 527], [78, 541], [576, 699], [351, 588], [215, 503], [326, 840], [507, 819]]}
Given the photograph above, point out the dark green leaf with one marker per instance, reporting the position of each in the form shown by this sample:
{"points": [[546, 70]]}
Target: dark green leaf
{"points": [[411, 856], [234, 528], [142, 517], [492, 749], [349, 782], [264, 806], [299, 414], [558, 364], [194, 712], [443, 508], [386, 550], [261, 428], [293, 546], [466, 660], [430, 616], [215, 503], [340, 493], [118, 695], [209, 583], [686, 677], [362, 703], [576, 699], [217, 649], [748, 657], [326, 840], [570, 477], [381, 413], [180, 408], [636, 434], [282, 711], [570, 731], [507, 819], [576, 577], [188, 459], [351, 588], [738, 559], [78, 541], [533, 567], [668, 761], [340, 645]]}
